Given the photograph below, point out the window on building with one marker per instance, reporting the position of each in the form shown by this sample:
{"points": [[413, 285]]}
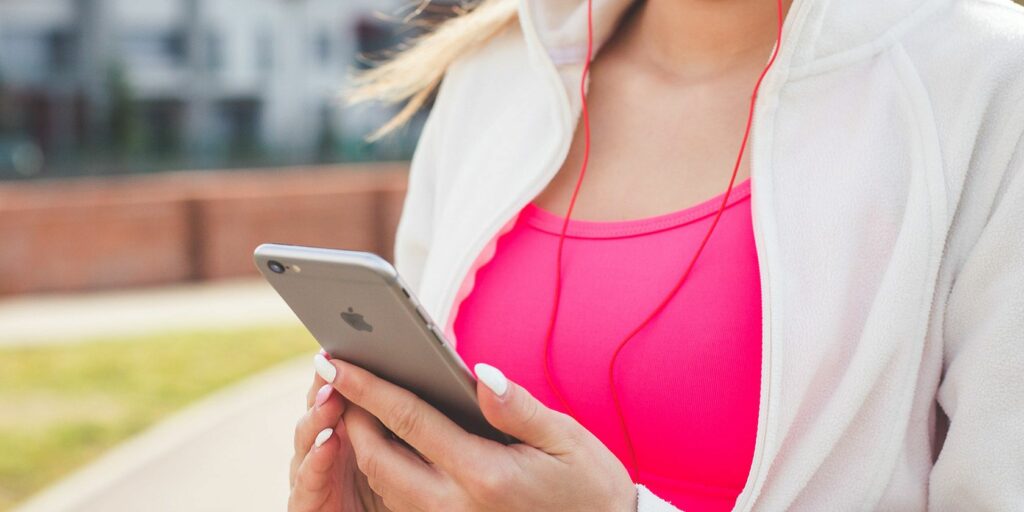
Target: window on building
{"points": [[166, 48], [61, 46], [175, 46], [240, 119]]}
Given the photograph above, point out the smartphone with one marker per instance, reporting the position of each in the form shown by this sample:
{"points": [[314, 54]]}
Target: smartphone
{"points": [[358, 309]]}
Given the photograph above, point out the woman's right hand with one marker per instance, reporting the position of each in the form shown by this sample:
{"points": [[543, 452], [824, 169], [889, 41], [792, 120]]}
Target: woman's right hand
{"points": [[324, 476]]}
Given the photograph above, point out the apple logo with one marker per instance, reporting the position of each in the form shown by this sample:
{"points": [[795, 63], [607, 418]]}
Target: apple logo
{"points": [[356, 321]]}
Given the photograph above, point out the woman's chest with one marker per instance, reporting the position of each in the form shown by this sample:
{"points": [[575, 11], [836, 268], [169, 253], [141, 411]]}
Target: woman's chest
{"points": [[688, 381]]}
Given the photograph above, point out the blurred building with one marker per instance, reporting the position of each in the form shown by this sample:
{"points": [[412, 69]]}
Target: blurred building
{"points": [[199, 83]]}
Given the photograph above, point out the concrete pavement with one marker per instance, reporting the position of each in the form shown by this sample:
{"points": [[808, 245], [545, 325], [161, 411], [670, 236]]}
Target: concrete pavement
{"points": [[230, 452], [49, 319]]}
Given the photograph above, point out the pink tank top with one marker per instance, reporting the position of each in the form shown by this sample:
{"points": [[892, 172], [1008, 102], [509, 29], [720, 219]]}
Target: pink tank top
{"points": [[689, 382]]}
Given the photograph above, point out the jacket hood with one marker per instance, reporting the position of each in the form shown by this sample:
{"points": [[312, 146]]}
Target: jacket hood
{"points": [[814, 30]]}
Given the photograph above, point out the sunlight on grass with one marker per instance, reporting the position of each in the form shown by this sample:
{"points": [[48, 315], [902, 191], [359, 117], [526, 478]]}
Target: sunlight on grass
{"points": [[62, 406]]}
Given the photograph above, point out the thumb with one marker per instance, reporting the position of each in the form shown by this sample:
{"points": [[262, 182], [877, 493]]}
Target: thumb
{"points": [[513, 410]]}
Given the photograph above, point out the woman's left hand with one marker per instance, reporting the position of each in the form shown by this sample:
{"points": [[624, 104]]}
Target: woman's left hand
{"points": [[559, 465]]}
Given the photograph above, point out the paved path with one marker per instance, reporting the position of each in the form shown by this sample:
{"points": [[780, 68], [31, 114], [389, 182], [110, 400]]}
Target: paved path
{"points": [[81, 317], [228, 453]]}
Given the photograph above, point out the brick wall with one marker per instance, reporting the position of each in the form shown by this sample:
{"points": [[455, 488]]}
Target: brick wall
{"points": [[95, 233]]}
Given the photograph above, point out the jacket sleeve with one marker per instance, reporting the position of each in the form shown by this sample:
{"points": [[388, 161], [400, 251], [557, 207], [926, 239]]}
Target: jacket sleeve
{"points": [[981, 463], [416, 224], [646, 501]]}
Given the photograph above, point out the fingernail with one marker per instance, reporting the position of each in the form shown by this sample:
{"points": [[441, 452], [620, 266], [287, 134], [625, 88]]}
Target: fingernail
{"points": [[322, 437], [324, 368], [323, 394], [325, 354], [492, 378]]}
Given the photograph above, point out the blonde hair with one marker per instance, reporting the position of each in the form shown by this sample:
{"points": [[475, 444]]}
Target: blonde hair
{"points": [[413, 74]]}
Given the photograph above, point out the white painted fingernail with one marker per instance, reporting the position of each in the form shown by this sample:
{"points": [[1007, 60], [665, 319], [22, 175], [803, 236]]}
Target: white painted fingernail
{"points": [[322, 437], [492, 378], [324, 368]]}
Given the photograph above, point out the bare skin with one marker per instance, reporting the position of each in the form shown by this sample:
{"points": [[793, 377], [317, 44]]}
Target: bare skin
{"points": [[668, 101], [559, 465], [327, 478]]}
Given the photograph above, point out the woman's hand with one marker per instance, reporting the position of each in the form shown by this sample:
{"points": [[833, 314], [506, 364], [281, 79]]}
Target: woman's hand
{"points": [[559, 465], [323, 475]]}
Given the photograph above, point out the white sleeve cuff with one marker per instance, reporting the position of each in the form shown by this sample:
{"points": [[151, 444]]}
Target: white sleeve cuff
{"points": [[647, 502]]}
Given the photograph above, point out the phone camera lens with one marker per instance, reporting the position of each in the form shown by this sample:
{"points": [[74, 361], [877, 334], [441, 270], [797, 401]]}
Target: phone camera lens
{"points": [[275, 267]]}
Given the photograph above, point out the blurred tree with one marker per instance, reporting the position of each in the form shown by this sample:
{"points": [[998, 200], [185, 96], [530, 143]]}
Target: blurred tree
{"points": [[126, 134], [6, 103], [327, 145]]}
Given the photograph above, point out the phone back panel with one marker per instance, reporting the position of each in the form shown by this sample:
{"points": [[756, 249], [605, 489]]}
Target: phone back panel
{"points": [[356, 307]]}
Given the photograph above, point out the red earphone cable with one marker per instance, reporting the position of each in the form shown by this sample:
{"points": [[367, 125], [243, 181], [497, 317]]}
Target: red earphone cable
{"points": [[572, 203]]}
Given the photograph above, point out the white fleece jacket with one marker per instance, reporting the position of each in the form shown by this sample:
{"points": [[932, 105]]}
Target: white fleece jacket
{"points": [[887, 169]]}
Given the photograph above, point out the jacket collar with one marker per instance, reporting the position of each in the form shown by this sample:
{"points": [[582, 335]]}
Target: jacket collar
{"points": [[816, 29]]}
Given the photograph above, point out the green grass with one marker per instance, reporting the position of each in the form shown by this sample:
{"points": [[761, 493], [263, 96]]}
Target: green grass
{"points": [[62, 406]]}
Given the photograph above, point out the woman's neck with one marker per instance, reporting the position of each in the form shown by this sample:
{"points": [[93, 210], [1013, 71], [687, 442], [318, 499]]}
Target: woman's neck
{"points": [[701, 38]]}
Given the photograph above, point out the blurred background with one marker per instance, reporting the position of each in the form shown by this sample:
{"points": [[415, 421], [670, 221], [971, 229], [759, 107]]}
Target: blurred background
{"points": [[146, 148], [101, 87]]}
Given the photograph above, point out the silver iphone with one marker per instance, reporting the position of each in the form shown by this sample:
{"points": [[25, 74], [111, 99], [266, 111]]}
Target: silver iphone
{"points": [[357, 308]]}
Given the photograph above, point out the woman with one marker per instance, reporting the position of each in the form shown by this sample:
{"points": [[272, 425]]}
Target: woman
{"points": [[850, 337]]}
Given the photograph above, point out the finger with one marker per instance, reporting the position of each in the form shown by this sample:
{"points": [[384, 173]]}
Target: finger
{"points": [[313, 389], [318, 382], [513, 410], [416, 422], [394, 473], [394, 502], [324, 415], [313, 480]]}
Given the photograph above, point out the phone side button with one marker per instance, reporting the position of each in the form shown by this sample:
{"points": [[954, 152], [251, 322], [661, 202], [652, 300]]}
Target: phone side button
{"points": [[423, 316], [437, 335]]}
